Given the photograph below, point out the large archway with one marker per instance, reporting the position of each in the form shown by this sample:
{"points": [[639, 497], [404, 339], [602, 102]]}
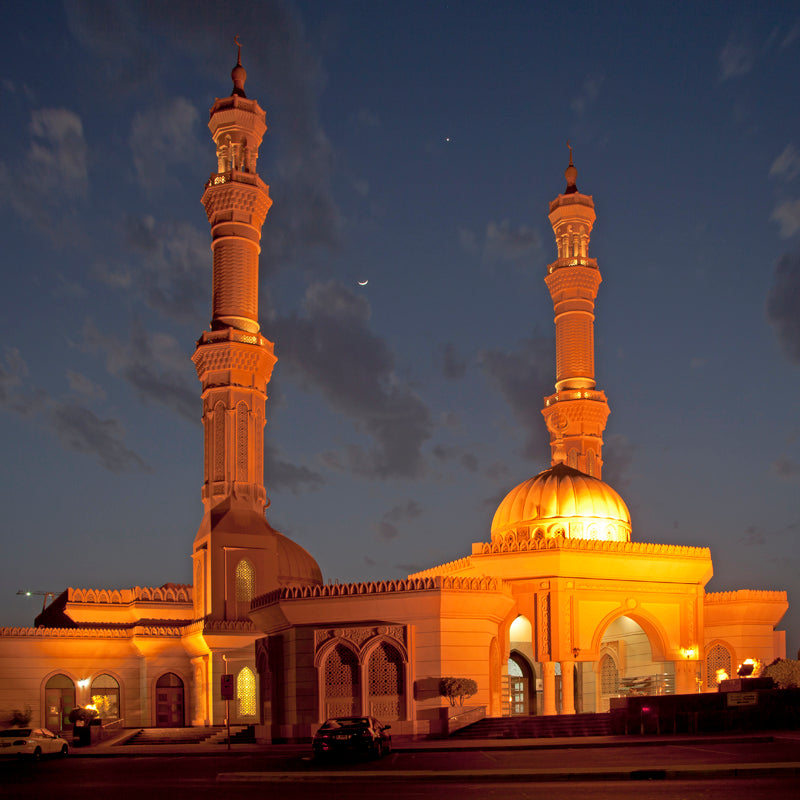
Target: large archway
{"points": [[626, 666]]}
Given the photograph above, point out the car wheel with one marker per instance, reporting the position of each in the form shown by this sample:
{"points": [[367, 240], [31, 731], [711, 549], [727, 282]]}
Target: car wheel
{"points": [[64, 751], [37, 754]]}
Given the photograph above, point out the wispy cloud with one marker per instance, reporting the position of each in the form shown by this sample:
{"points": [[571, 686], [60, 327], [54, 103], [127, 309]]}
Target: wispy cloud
{"points": [[787, 215], [524, 376], [330, 347], [45, 186], [783, 304], [165, 136], [71, 420], [154, 364], [590, 90], [735, 59], [501, 243], [388, 526], [452, 364], [787, 165]]}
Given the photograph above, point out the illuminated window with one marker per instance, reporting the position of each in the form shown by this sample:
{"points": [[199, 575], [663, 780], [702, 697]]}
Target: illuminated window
{"points": [[245, 581], [246, 692], [105, 696], [245, 587]]}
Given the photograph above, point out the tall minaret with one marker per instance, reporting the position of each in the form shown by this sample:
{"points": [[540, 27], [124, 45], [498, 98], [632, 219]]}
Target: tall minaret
{"points": [[576, 414], [234, 363]]}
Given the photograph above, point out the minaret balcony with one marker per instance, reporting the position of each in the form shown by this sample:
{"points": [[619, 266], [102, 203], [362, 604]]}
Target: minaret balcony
{"points": [[574, 261], [575, 394], [233, 176]]}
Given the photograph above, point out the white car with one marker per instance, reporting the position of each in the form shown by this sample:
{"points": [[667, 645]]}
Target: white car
{"points": [[31, 742]]}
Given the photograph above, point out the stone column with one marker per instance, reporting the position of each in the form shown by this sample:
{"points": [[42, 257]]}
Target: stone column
{"points": [[567, 687], [549, 687]]}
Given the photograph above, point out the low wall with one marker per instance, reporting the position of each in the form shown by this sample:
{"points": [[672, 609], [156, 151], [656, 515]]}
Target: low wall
{"points": [[766, 709]]}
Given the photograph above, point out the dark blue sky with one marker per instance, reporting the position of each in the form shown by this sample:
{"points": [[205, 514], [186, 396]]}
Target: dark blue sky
{"points": [[415, 145]]}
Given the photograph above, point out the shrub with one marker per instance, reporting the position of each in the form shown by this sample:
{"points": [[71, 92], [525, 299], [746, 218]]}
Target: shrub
{"points": [[457, 688], [785, 673], [84, 715], [19, 719]]}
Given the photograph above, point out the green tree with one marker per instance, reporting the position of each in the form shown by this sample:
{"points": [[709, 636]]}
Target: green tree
{"points": [[457, 688]]}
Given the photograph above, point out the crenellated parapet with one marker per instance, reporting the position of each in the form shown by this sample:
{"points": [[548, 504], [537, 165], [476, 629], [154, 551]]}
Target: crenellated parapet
{"points": [[644, 548], [438, 582], [220, 626], [173, 593], [130, 632], [444, 569], [746, 596]]}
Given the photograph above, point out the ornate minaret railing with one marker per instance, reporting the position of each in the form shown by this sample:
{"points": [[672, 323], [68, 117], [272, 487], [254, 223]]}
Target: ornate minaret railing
{"points": [[576, 414]]}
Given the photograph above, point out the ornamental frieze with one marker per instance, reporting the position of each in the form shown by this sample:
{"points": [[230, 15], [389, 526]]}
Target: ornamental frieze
{"points": [[359, 636]]}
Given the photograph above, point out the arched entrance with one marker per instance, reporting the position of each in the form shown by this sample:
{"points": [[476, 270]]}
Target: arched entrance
{"points": [[521, 687], [169, 701], [59, 700], [626, 666]]}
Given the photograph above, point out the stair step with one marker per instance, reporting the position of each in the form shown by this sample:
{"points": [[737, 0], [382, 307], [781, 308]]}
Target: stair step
{"points": [[538, 727]]}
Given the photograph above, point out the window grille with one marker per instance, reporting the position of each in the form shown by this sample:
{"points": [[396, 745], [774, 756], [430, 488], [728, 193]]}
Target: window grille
{"points": [[342, 682], [719, 657], [385, 681], [246, 692], [609, 676]]}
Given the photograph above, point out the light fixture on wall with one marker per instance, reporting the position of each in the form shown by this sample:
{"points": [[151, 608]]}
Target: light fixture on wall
{"points": [[688, 652], [575, 652]]}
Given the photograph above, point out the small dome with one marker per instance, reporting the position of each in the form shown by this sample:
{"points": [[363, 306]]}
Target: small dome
{"points": [[296, 566], [562, 501]]}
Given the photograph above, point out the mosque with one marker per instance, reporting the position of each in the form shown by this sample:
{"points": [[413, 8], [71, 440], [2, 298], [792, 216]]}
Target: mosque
{"points": [[559, 611]]}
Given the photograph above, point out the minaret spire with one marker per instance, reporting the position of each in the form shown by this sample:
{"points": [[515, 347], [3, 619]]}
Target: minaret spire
{"points": [[576, 414], [234, 361]]}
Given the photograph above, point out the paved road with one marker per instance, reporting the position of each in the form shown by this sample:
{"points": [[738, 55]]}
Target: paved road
{"points": [[764, 766]]}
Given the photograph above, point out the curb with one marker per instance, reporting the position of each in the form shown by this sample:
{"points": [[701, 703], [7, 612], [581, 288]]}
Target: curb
{"points": [[516, 775]]}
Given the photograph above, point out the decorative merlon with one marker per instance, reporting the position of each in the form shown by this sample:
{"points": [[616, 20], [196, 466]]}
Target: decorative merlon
{"points": [[629, 548], [441, 582], [746, 596]]}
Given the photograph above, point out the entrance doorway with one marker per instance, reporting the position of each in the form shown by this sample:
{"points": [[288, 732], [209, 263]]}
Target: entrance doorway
{"points": [[59, 700], [169, 701], [520, 684]]}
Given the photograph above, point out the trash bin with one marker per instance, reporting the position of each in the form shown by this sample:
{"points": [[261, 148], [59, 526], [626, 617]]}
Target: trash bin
{"points": [[81, 733]]}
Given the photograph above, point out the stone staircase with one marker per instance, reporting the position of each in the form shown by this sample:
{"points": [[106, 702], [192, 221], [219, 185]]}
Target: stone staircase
{"points": [[156, 736], [537, 727]]}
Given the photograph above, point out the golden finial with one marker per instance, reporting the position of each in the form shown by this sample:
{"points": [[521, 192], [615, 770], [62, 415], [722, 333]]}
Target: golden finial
{"points": [[238, 73], [571, 174]]}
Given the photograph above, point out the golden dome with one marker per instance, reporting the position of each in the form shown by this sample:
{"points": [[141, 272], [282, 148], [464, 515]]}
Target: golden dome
{"points": [[562, 501]]}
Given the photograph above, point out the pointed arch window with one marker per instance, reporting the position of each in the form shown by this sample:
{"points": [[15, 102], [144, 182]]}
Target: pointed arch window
{"points": [[385, 682], [342, 684], [245, 582], [718, 658], [246, 692], [609, 676], [241, 442]]}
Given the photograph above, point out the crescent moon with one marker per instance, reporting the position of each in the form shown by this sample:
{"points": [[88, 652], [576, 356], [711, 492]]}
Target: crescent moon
{"points": [[363, 283]]}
